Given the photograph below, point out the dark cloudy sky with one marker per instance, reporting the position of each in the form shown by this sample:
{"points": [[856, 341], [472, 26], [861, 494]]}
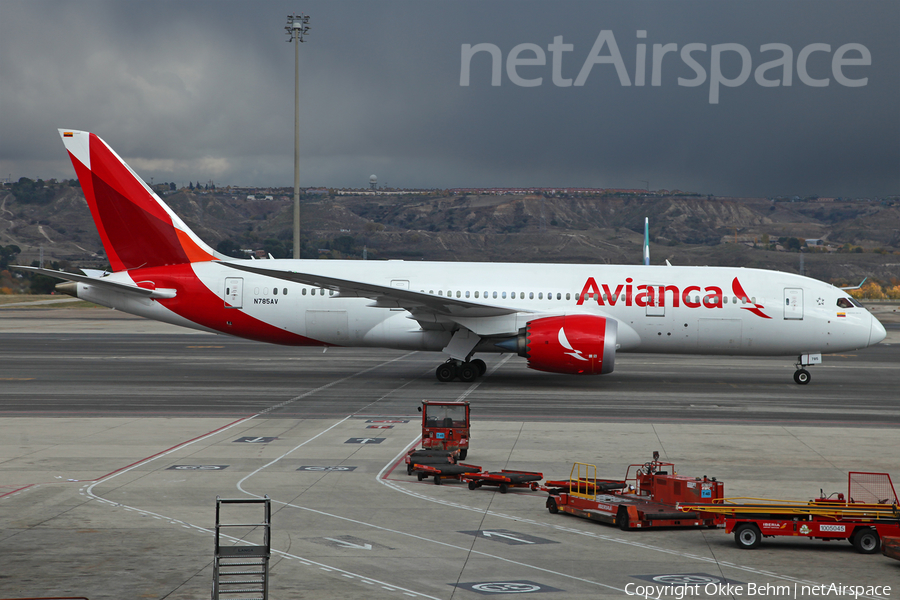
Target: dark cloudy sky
{"points": [[200, 90]]}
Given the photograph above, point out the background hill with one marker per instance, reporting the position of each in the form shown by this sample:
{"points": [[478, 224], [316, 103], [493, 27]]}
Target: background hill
{"points": [[861, 238]]}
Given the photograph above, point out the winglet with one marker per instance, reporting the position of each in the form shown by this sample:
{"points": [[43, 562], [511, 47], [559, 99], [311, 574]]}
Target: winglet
{"points": [[646, 241], [854, 287]]}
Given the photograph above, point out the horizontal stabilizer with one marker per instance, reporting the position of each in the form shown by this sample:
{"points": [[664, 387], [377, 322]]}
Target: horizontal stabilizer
{"points": [[102, 283]]}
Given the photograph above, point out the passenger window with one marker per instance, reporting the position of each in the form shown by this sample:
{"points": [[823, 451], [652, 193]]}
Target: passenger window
{"points": [[265, 291], [467, 293], [568, 295], [476, 294], [558, 296], [531, 295], [540, 295], [331, 292], [284, 291], [275, 291], [303, 291], [504, 295], [495, 294], [844, 303], [458, 294], [256, 291]]}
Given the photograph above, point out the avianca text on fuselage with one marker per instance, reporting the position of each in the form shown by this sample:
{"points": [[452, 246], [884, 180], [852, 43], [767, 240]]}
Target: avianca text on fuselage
{"points": [[693, 296]]}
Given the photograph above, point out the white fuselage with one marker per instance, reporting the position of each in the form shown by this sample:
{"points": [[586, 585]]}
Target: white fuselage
{"points": [[699, 311]]}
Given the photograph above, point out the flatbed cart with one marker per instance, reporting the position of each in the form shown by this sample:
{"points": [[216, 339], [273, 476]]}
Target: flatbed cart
{"points": [[890, 547], [444, 471], [869, 513], [445, 426], [503, 479], [429, 457], [648, 501]]}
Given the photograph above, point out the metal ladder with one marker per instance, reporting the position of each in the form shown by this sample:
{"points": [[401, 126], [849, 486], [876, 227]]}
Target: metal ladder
{"points": [[241, 572]]}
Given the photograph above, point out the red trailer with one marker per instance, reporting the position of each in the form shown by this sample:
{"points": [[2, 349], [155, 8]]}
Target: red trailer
{"points": [[445, 426], [868, 514], [645, 499], [504, 479]]}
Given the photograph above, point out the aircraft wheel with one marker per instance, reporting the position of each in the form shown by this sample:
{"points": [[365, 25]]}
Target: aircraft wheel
{"points": [[481, 366], [467, 372], [446, 372], [801, 376]]}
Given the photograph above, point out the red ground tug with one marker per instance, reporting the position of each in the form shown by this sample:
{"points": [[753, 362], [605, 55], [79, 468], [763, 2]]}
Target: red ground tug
{"points": [[445, 426], [868, 513], [646, 499]]}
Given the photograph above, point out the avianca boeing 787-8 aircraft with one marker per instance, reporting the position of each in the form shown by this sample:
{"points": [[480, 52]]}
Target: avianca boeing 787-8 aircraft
{"points": [[561, 318]]}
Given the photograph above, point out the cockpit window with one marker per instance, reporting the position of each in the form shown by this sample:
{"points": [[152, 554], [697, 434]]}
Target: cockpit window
{"points": [[844, 303], [856, 303]]}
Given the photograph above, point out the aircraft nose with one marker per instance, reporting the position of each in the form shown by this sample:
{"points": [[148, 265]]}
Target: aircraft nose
{"points": [[877, 333]]}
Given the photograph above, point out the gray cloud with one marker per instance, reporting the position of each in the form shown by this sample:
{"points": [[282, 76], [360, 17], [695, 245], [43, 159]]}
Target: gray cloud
{"points": [[202, 90]]}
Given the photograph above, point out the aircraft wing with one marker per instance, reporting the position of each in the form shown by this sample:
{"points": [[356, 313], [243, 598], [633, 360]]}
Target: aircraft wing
{"points": [[102, 282], [386, 296]]}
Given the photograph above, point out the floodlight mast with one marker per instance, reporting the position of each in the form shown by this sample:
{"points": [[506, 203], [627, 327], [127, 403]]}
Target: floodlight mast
{"points": [[297, 26]]}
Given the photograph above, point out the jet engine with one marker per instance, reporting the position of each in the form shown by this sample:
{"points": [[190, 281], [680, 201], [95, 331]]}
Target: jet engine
{"points": [[573, 344]]}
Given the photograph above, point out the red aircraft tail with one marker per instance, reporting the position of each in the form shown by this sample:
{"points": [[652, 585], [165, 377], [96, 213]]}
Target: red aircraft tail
{"points": [[137, 228]]}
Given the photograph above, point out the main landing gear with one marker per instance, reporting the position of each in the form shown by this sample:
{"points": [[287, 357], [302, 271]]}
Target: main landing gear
{"points": [[465, 371]]}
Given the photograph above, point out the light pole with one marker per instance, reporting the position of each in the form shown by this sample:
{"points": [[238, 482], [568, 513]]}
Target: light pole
{"points": [[297, 27]]}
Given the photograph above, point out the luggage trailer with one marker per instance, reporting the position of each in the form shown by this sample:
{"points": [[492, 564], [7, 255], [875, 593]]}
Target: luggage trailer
{"points": [[864, 518], [646, 500]]}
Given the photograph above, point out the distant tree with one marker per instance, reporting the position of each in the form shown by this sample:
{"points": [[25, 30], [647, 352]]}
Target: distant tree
{"points": [[7, 255], [230, 248], [172, 187], [191, 185]]}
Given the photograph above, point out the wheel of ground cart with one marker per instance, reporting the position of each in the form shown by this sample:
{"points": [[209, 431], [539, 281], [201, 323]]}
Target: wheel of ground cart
{"points": [[472, 485], [504, 487], [421, 476], [747, 535], [552, 506], [463, 453], [409, 469], [480, 365], [437, 480], [801, 376], [622, 520], [445, 372], [467, 372], [866, 541]]}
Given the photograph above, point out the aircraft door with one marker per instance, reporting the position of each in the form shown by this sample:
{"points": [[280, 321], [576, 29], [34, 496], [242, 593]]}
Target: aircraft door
{"points": [[793, 303], [657, 306], [400, 284], [234, 292]]}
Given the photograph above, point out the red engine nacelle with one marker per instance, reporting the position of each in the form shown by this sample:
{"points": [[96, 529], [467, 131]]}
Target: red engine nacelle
{"points": [[575, 344]]}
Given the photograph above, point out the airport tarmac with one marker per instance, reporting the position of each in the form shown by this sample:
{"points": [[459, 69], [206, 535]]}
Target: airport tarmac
{"points": [[118, 434]]}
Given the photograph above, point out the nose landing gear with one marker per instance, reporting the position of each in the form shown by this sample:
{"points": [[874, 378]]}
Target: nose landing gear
{"points": [[801, 375], [465, 371]]}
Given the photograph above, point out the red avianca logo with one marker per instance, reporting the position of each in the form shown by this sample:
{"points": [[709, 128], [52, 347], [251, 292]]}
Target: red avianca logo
{"points": [[655, 295]]}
